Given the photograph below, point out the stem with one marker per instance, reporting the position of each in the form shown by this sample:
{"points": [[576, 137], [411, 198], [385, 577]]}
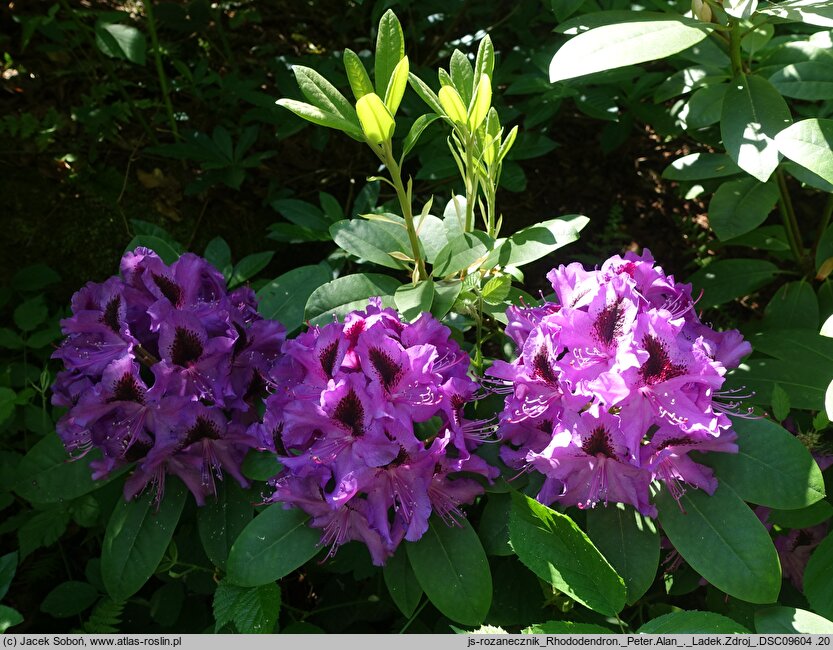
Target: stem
{"points": [[471, 187], [825, 220], [413, 616], [734, 49], [160, 71], [788, 215], [420, 273]]}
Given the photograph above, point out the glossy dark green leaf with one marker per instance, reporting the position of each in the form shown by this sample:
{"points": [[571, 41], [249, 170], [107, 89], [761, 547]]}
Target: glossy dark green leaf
{"points": [[8, 567], [629, 541], [451, 567], [9, 618], [553, 547], [414, 134], [342, 295], [273, 544], [772, 468], [373, 241], [445, 294], [704, 108], [284, 298], [413, 300], [168, 250], [753, 114], [136, 538], [725, 280], [222, 519], [517, 596], [494, 525], [537, 241], [402, 583], [724, 541], [249, 267], [700, 166], [794, 306], [809, 80], [818, 587], [462, 252], [692, 623], [121, 42], [741, 205], [69, 598], [218, 253], [812, 515], [789, 620], [253, 610], [260, 465], [810, 144]]}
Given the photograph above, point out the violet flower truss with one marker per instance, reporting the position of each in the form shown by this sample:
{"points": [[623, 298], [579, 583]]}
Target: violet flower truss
{"points": [[367, 419], [614, 385], [165, 369]]}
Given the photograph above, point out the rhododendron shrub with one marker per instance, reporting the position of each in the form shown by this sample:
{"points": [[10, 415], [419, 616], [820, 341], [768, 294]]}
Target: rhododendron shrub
{"points": [[615, 384]]}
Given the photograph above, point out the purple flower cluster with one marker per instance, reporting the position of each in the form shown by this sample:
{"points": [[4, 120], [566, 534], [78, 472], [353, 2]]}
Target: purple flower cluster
{"points": [[367, 419], [614, 385], [165, 369]]}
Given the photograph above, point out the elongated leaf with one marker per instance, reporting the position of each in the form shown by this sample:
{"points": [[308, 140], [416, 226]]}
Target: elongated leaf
{"points": [[272, 545], [342, 295], [741, 205], [629, 541], [121, 42], [726, 280], [8, 567], [811, 12], [48, 475], [462, 75], [222, 519], [704, 108], [772, 468], [356, 74], [390, 48], [69, 598], [793, 306], [699, 166], [284, 298], [484, 62], [461, 253], [535, 242], [557, 551], [808, 80], [445, 295], [419, 125], [321, 93], [402, 583], [249, 267], [818, 587], [136, 538], [812, 515], [425, 93], [618, 45], [323, 118], [810, 144], [433, 236], [413, 300], [789, 620], [451, 567], [753, 114], [372, 240], [759, 376], [692, 623], [724, 541]]}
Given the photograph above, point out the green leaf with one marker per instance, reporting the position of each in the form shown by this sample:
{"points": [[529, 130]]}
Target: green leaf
{"points": [[284, 298], [34, 278], [253, 610], [565, 627], [699, 166], [494, 525], [741, 9], [250, 266], [8, 399], [810, 144], [741, 205], [496, 289], [413, 300], [273, 544], [260, 465], [168, 250], [9, 618], [780, 403], [322, 94], [356, 74], [629, 541], [484, 62], [433, 236], [390, 48], [692, 623], [811, 12], [8, 567], [724, 541], [121, 42], [618, 45], [807, 177], [537, 241], [704, 107], [69, 598], [726, 280], [136, 538], [10, 339], [818, 587], [445, 295], [794, 306], [323, 118], [451, 567], [31, 313], [425, 93], [789, 620], [462, 75], [812, 515], [555, 549], [375, 118], [222, 519], [753, 114], [342, 295], [462, 252], [373, 240], [419, 125], [765, 238], [772, 468], [48, 475], [808, 80], [402, 583]]}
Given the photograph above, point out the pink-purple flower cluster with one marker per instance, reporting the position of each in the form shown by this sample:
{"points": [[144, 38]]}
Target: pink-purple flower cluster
{"points": [[367, 419], [164, 368], [614, 385]]}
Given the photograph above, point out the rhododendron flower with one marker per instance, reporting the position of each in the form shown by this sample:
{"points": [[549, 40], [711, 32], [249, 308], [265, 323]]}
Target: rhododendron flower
{"points": [[164, 369], [614, 385], [366, 416]]}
